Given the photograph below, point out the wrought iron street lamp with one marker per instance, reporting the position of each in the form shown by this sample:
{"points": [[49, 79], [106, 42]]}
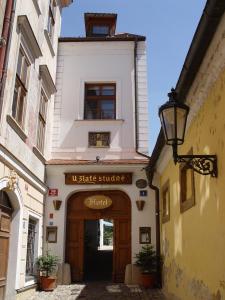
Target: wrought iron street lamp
{"points": [[173, 116]]}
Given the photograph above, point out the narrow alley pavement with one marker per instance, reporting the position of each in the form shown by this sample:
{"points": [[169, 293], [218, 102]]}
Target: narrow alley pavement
{"points": [[99, 291]]}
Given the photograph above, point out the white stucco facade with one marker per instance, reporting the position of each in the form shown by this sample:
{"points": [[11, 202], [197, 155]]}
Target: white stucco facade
{"points": [[97, 62], [18, 143], [87, 62]]}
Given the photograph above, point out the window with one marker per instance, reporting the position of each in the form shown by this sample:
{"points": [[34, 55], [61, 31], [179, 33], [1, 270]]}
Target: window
{"points": [[51, 234], [51, 19], [166, 202], [31, 238], [99, 139], [187, 187], [20, 90], [42, 122], [101, 30], [100, 101]]}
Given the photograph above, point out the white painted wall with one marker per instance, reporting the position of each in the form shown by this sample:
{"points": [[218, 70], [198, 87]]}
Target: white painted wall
{"points": [[91, 62]]}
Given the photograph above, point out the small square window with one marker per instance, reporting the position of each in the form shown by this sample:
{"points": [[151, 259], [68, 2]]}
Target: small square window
{"points": [[51, 234], [99, 139], [187, 187], [166, 202]]}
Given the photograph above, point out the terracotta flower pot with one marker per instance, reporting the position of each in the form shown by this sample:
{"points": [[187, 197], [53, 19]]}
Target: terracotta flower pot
{"points": [[47, 283], [147, 280]]}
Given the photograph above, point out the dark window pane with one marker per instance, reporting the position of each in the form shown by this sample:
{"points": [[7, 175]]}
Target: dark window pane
{"points": [[91, 110], [24, 72], [108, 90], [93, 91], [107, 109], [102, 30], [30, 261], [20, 109], [19, 63], [15, 99]]}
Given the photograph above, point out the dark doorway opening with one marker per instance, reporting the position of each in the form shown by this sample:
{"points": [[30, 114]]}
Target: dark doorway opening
{"points": [[98, 249]]}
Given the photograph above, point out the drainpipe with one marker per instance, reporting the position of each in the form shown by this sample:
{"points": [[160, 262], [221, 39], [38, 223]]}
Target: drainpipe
{"points": [[150, 174], [6, 39], [136, 100]]}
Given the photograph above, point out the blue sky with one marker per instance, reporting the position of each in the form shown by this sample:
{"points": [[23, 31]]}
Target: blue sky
{"points": [[169, 26]]}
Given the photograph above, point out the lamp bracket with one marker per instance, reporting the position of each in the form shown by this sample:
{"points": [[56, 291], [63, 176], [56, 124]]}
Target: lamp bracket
{"points": [[202, 164]]}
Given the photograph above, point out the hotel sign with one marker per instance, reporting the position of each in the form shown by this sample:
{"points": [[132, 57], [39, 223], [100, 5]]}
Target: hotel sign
{"points": [[98, 178], [98, 202]]}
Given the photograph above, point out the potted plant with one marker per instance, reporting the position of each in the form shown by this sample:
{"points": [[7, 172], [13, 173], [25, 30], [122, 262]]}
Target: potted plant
{"points": [[146, 259], [47, 265]]}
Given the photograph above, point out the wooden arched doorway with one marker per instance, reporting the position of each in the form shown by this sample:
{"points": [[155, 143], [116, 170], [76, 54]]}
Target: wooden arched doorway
{"points": [[5, 222], [119, 212]]}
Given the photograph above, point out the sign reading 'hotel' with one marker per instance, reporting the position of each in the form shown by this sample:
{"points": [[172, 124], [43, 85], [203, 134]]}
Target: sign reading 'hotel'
{"points": [[98, 178]]}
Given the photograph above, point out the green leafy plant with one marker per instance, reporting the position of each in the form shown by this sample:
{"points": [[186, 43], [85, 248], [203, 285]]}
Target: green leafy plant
{"points": [[146, 259], [47, 264]]}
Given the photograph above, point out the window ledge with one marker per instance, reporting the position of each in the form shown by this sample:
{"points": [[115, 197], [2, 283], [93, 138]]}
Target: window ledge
{"points": [[39, 155], [28, 286], [16, 127], [103, 121], [49, 42], [37, 7]]}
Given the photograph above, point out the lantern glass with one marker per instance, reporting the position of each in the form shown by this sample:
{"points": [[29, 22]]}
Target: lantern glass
{"points": [[181, 116], [168, 124], [173, 116]]}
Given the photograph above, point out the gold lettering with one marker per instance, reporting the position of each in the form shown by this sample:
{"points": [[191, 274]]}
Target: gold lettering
{"points": [[74, 178], [122, 178], [118, 178]]}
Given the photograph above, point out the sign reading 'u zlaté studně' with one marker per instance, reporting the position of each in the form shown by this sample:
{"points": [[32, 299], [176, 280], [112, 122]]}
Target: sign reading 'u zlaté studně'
{"points": [[98, 178]]}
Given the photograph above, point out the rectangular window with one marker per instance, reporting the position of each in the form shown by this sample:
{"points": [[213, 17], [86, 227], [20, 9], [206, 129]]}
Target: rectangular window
{"points": [[20, 89], [101, 30], [100, 101], [166, 202], [51, 19], [42, 122], [99, 139], [187, 187], [31, 238]]}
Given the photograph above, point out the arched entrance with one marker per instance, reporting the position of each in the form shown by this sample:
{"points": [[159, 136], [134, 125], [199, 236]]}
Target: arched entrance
{"points": [[6, 211], [78, 213]]}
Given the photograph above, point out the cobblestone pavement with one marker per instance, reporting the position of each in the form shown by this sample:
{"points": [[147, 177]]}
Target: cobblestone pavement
{"points": [[99, 291]]}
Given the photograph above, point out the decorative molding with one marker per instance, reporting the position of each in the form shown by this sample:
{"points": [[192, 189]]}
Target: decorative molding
{"points": [[39, 155], [13, 163], [48, 82], [16, 127], [27, 32], [49, 42]]}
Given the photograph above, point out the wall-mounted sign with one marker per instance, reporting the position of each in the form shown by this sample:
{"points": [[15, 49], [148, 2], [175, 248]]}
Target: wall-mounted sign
{"points": [[141, 183], [98, 178], [143, 193], [98, 202], [53, 192], [144, 235]]}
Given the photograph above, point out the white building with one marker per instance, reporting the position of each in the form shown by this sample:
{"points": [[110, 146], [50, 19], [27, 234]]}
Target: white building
{"points": [[26, 100], [100, 131]]}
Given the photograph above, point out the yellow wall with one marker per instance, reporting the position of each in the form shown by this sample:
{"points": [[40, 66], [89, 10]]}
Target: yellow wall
{"points": [[193, 242]]}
